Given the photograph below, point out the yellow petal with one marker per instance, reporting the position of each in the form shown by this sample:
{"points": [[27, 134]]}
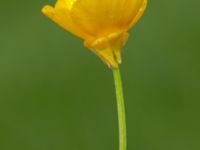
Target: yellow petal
{"points": [[66, 3], [61, 15], [102, 17], [139, 13]]}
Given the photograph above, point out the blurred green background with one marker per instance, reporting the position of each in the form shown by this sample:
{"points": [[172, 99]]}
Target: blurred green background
{"points": [[56, 95]]}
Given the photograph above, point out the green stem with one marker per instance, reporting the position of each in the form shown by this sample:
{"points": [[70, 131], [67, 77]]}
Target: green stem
{"points": [[121, 109]]}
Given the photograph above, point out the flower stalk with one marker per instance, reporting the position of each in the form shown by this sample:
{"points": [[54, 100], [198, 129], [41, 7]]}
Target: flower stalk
{"points": [[120, 109]]}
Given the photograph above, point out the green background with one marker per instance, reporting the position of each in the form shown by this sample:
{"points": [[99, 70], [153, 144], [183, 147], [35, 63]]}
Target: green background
{"points": [[57, 95]]}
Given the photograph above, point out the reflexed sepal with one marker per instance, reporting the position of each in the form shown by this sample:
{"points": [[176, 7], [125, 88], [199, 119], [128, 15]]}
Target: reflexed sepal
{"points": [[109, 48]]}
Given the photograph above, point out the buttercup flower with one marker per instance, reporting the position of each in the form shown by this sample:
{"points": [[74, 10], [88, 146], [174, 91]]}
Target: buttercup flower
{"points": [[102, 24]]}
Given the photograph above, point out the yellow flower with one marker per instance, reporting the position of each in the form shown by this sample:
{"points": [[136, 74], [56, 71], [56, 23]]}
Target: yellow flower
{"points": [[102, 24]]}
